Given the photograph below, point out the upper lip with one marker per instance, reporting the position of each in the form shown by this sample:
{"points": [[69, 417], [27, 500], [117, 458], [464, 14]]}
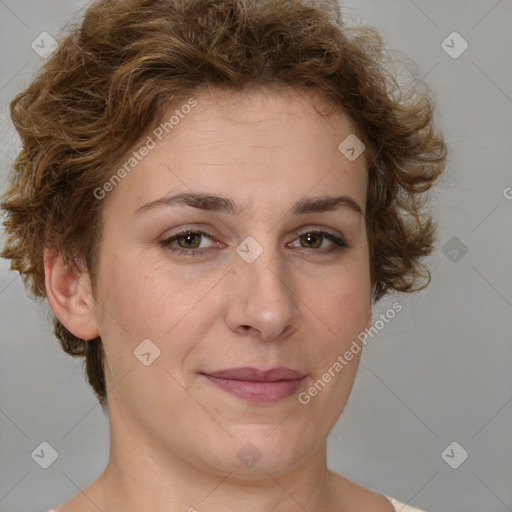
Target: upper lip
{"points": [[253, 374]]}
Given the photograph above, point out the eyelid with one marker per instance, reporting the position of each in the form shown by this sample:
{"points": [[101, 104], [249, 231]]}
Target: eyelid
{"points": [[337, 240], [314, 228], [310, 228], [185, 231]]}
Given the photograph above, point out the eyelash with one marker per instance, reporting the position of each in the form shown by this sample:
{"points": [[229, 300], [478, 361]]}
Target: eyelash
{"points": [[339, 242]]}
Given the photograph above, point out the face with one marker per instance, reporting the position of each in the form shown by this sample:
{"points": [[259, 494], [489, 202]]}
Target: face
{"points": [[263, 285]]}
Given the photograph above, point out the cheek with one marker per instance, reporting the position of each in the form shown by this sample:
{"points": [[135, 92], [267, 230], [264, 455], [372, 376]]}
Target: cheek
{"points": [[345, 309], [142, 300], [345, 300]]}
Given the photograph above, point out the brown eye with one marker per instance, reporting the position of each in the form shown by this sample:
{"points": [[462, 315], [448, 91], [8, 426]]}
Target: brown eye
{"points": [[190, 238], [188, 242], [313, 240]]}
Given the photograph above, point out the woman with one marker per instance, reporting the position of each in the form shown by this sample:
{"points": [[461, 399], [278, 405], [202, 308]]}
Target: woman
{"points": [[212, 195]]}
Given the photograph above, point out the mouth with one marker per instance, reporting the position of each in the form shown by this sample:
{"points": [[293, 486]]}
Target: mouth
{"points": [[259, 386]]}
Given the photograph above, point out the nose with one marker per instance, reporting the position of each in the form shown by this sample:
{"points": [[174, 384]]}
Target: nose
{"points": [[263, 297]]}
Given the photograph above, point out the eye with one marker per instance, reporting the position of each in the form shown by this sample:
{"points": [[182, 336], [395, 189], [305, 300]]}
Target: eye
{"points": [[314, 239], [189, 246], [189, 242]]}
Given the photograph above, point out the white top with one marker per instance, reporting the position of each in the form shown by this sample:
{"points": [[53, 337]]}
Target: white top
{"points": [[399, 507]]}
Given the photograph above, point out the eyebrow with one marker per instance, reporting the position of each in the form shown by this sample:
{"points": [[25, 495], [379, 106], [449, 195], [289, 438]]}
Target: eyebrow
{"points": [[224, 204]]}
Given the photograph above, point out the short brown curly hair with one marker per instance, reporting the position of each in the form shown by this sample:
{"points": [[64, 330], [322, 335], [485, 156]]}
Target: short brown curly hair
{"points": [[117, 70]]}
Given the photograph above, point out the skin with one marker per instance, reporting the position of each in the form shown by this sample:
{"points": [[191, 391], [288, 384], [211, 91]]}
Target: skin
{"points": [[174, 435]]}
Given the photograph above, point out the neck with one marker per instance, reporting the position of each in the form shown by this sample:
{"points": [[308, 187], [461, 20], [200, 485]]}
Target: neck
{"points": [[147, 477]]}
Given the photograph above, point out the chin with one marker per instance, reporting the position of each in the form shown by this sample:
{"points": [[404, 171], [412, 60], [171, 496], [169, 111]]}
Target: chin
{"points": [[260, 449]]}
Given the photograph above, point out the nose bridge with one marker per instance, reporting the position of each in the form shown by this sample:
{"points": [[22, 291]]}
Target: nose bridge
{"points": [[263, 265], [265, 299]]}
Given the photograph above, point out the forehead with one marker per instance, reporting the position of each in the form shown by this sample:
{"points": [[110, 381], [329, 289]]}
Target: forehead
{"points": [[265, 141], [253, 109]]}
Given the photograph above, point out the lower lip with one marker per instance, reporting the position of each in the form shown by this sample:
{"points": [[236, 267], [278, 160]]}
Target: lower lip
{"points": [[261, 392]]}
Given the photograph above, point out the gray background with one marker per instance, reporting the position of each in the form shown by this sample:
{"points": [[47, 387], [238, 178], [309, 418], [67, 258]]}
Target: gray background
{"points": [[438, 372]]}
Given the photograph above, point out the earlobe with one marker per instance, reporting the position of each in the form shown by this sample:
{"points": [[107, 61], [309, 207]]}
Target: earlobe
{"points": [[69, 294]]}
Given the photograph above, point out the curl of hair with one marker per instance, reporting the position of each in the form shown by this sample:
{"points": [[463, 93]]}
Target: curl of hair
{"points": [[117, 70]]}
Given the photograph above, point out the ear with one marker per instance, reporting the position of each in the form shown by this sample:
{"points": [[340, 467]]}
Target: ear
{"points": [[69, 294]]}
